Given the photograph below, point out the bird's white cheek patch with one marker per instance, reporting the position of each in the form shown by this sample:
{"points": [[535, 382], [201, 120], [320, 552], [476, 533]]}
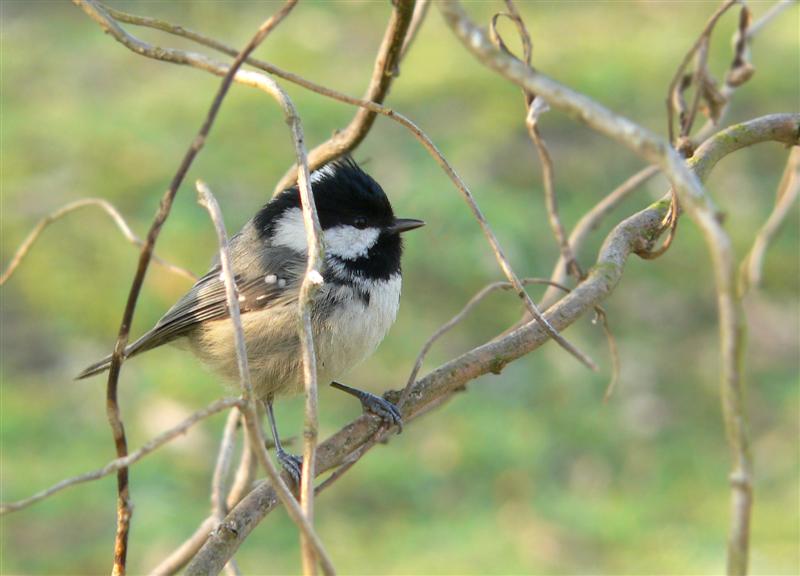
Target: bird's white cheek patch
{"points": [[290, 231], [349, 242], [345, 242]]}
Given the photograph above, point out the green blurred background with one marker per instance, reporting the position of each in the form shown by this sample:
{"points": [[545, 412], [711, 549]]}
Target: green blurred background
{"points": [[528, 472]]}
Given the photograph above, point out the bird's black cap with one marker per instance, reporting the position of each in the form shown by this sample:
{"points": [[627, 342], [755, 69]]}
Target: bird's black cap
{"points": [[343, 193]]}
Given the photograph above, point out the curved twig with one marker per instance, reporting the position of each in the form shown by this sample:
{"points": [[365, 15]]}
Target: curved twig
{"points": [[115, 420], [127, 460], [257, 80], [417, 18], [699, 207], [436, 387], [219, 504], [109, 209], [536, 107], [386, 69], [677, 85], [590, 221], [788, 190], [455, 320]]}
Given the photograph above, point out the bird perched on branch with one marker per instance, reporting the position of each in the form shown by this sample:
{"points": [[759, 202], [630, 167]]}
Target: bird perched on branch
{"points": [[351, 313]]}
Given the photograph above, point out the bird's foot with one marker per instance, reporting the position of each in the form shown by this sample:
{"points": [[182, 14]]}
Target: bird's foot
{"points": [[383, 409], [292, 464], [372, 404]]}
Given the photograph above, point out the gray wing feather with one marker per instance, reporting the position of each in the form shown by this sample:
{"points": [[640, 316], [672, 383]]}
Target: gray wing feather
{"points": [[262, 278], [259, 284]]}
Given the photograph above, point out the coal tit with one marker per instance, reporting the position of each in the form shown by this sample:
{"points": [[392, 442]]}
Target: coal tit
{"points": [[351, 313]]}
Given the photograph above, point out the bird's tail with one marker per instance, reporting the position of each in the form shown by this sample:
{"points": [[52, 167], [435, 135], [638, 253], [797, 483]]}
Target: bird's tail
{"points": [[96, 368], [142, 344]]}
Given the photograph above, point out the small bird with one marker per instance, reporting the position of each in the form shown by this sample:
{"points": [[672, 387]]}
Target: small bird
{"points": [[351, 313]]}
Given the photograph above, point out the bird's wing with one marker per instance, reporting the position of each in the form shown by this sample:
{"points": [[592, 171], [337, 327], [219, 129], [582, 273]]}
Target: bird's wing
{"points": [[271, 279]]}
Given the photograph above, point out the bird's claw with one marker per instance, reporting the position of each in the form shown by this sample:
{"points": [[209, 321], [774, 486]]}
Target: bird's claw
{"points": [[383, 409], [292, 464]]}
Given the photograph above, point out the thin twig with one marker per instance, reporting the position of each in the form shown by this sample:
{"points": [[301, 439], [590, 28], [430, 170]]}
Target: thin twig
{"points": [[312, 281], [699, 207], [219, 506], [613, 350], [417, 18], [109, 209], [551, 202], [774, 11], [728, 88], [702, 39], [385, 70], [753, 264], [127, 460], [455, 320], [181, 555], [536, 107], [261, 82], [449, 379], [114, 417], [704, 88], [207, 200], [590, 221], [245, 474]]}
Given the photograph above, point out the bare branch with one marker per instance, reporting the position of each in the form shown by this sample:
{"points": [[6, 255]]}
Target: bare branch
{"points": [[590, 221], [700, 208], [127, 460], [109, 209], [245, 474], [774, 11], [308, 289]]}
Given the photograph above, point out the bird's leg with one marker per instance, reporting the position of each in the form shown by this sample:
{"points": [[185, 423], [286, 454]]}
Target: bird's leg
{"points": [[291, 463], [382, 408]]}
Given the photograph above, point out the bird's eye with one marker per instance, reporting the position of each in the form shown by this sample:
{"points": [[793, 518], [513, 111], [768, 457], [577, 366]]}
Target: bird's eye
{"points": [[360, 223]]}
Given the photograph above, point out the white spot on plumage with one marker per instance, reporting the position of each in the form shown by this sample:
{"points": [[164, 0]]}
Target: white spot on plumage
{"points": [[281, 283], [270, 278], [315, 278]]}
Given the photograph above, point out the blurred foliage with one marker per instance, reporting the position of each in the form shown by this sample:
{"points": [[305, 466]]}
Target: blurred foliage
{"points": [[529, 472]]}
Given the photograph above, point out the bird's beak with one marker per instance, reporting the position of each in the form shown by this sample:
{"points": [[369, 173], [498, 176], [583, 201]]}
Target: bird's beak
{"points": [[404, 225]]}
